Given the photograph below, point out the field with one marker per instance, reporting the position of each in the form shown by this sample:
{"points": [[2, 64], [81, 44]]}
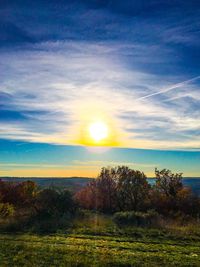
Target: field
{"points": [[95, 241], [87, 250]]}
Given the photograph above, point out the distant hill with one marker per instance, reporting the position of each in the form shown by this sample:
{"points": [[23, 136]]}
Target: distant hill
{"points": [[72, 183], [76, 183]]}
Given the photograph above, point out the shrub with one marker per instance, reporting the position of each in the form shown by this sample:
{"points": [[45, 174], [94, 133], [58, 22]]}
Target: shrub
{"points": [[6, 210], [51, 223], [53, 202], [132, 218], [19, 194], [53, 210]]}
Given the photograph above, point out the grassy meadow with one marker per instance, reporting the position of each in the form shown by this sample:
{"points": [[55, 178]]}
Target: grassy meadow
{"points": [[97, 241]]}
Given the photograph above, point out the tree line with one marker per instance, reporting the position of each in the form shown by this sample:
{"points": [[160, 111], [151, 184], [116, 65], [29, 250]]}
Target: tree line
{"points": [[115, 190], [124, 189]]}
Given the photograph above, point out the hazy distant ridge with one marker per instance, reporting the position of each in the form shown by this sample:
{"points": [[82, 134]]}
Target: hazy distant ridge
{"points": [[76, 183]]}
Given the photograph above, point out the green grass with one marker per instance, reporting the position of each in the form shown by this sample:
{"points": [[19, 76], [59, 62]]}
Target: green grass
{"points": [[95, 240], [90, 250]]}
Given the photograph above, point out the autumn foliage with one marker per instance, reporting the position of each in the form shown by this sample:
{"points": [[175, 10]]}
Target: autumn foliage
{"points": [[124, 189], [120, 190], [115, 189]]}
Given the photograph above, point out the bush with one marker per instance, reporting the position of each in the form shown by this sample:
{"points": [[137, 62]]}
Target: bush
{"points": [[51, 223], [53, 210], [132, 218], [6, 210], [52, 202], [20, 194]]}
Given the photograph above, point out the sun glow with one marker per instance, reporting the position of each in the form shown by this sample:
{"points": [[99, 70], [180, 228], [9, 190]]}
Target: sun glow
{"points": [[98, 131], [96, 127]]}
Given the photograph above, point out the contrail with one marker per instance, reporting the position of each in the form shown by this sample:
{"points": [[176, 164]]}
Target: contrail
{"points": [[177, 85]]}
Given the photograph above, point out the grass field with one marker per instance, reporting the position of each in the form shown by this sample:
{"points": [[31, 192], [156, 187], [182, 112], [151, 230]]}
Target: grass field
{"points": [[95, 240], [89, 250]]}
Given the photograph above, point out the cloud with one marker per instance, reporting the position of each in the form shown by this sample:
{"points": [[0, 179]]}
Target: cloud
{"points": [[27, 166], [101, 163], [175, 86], [51, 85], [88, 58]]}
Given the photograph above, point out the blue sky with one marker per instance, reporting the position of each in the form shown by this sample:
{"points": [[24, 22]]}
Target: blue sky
{"points": [[134, 63]]}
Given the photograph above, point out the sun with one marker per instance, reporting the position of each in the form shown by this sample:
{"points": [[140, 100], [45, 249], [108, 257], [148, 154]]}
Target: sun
{"points": [[98, 131]]}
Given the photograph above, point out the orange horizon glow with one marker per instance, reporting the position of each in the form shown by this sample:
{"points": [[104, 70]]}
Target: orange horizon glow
{"points": [[59, 173]]}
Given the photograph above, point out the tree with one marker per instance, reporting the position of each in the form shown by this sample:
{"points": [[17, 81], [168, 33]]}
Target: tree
{"points": [[168, 192], [53, 209], [86, 197], [118, 188], [99, 194], [187, 202], [168, 183], [25, 193], [19, 194], [132, 188], [53, 202], [106, 190]]}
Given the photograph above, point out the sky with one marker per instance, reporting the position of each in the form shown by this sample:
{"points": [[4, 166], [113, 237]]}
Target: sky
{"points": [[133, 65]]}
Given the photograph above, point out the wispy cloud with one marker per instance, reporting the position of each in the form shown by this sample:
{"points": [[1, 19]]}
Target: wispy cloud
{"points": [[175, 86], [53, 88], [119, 59], [5, 165], [102, 163]]}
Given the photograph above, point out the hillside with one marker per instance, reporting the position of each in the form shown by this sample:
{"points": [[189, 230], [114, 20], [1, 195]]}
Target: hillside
{"points": [[71, 183], [76, 183]]}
